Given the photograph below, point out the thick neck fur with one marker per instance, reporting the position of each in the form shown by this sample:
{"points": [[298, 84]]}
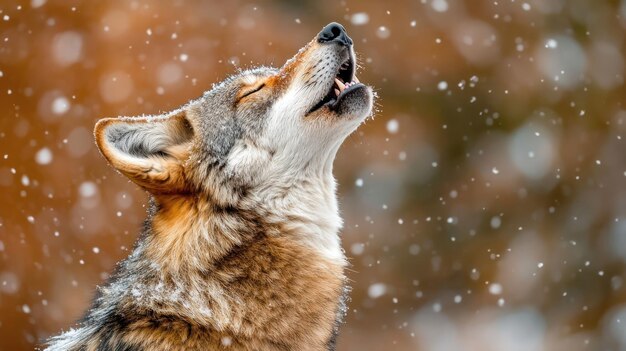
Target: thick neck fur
{"points": [[191, 237], [307, 209], [193, 233], [205, 277], [229, 272]]}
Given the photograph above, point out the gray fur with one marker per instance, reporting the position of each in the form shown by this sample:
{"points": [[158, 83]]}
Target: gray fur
{"points": [[253, 172], [221, 125]]}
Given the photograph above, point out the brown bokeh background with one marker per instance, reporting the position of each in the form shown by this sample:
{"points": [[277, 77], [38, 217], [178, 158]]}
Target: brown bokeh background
{"points": [[484, 204]]}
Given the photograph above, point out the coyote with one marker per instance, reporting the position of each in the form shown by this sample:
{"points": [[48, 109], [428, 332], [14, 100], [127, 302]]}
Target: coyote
{"points": [[240, 250]]}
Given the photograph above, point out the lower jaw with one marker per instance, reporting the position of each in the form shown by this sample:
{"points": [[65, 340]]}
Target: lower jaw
{"points": [[336, 100]]}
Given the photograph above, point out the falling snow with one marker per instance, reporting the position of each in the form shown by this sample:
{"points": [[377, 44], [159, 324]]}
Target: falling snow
{"points": [[495, 289], [43, 156], [359, 182], [360, 18], [376, 290], [393, 126], [383, 32], [440, 5], [60, 105], [482, 204]]}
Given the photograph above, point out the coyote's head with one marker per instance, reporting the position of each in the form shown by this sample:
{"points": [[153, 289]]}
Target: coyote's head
{"points": [[256, 131]]}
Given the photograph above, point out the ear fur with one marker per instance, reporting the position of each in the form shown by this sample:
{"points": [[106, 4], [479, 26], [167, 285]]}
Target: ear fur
{"points": [[151, 151]]}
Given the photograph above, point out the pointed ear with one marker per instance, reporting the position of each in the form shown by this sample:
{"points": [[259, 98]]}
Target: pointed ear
{"points": [[151, 151]]}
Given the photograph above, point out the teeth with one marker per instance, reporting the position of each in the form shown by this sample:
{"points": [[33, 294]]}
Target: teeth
{"points": [[340, 84]]}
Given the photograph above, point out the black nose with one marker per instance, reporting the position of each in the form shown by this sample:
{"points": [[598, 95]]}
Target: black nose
{"points": [[334, 32]]}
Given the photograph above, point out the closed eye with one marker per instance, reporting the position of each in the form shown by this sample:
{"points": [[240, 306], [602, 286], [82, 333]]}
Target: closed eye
{"points": [[252, 91]]}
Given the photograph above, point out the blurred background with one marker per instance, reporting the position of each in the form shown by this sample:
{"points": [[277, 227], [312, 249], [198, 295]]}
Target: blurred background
{"points": [[484, 204]]}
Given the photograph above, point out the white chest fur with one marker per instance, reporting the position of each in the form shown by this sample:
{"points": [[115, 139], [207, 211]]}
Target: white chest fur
{"points": [[308, 210]]}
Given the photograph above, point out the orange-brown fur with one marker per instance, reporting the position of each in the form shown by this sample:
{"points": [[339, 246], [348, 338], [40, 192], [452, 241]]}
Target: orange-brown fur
{"points": [[231, 258], [280, 294]]}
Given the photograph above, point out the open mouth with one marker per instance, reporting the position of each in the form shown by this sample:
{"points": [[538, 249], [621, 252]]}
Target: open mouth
{"points": [[344, 81]]}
